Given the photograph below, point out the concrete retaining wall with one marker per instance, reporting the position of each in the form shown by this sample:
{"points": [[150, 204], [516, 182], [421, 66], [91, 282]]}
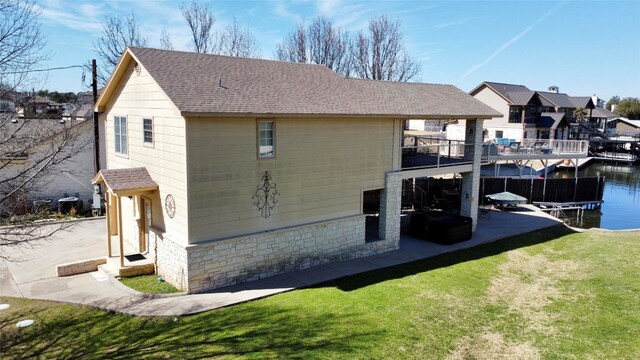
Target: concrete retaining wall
{"points": [[79, 267]]}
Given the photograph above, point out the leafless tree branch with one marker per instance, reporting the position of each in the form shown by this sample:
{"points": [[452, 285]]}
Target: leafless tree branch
{"points": [[239, 42], [117, 34], [200, 19]]}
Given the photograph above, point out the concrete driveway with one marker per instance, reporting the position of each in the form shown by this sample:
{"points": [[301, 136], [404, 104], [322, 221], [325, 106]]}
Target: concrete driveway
{"points": [[32, 271]]}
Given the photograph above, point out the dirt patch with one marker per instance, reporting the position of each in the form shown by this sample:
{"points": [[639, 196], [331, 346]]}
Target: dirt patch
{"points": [[491, 345], [527, 283]]}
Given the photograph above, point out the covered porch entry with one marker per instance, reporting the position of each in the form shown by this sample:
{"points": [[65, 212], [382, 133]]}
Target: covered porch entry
{"points": [[127, 196]]}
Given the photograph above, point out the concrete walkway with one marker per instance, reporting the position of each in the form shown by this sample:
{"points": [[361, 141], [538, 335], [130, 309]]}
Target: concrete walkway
{"points": [[31, 273]]}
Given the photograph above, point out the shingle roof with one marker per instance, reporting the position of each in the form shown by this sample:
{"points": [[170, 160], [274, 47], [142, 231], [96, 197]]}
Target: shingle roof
{"points": [[559, 100], [125, 179], [550, 120], [214, 84]]}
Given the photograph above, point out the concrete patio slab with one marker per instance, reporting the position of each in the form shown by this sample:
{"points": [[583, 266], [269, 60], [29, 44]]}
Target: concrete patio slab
{"points": [[34, 274]]}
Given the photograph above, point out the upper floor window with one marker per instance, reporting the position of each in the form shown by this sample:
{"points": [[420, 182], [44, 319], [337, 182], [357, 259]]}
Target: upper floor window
{"points": [[515, 114], [266, 139], [147, 130], [120, 132]]}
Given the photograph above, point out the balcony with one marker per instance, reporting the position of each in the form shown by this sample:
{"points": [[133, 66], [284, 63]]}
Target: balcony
{"points": [[433, 152], [537, 149], [430, 152]]}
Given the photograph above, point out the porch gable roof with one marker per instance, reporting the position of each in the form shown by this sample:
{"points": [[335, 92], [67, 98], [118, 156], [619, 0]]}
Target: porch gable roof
{"points": [[131, 180]]}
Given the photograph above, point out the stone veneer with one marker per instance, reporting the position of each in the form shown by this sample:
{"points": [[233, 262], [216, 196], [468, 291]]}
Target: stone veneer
{"points": [[170, 259], [245, 258]]}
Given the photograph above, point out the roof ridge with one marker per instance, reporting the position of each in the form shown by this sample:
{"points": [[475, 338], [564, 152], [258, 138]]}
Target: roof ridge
{"points": [[231, 57]]}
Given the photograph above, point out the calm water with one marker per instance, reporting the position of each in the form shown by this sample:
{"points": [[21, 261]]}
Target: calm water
{"points": [[621, 208]]}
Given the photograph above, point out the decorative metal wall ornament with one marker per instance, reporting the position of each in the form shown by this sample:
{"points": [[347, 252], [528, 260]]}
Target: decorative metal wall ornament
{"points": [[170, 206], [266, 196]]}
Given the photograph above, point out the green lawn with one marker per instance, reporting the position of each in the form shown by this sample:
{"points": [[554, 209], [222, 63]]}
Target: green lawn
{"points": [[553, 294], [149, 284]]}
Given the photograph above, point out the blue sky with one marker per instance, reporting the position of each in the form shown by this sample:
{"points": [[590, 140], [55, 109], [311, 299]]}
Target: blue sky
{"points": [[584, 47]]}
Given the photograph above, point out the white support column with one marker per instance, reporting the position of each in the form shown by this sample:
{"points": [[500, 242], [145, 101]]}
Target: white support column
{"points": [[120, 232], [471, 180], [390, 204], [107, 204]]}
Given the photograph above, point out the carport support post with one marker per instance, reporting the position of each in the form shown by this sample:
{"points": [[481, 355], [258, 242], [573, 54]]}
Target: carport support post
{"points": [[471, 180], [390, 203]]}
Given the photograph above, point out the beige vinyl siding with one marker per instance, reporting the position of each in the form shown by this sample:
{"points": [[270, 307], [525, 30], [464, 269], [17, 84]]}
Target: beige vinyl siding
{"points": [[320, 168], [497, 102], [138, 97]]}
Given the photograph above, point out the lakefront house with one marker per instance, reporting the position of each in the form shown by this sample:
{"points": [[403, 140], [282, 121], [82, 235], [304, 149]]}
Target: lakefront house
{"points": [[227, 169]]}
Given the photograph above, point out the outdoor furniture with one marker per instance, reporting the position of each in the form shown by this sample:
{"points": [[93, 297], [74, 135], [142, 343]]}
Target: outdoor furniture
{"points": [[506, 200], [440, 227]]}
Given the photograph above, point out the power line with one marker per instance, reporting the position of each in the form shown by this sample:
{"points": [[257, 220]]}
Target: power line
{"points": [[49, 69]]}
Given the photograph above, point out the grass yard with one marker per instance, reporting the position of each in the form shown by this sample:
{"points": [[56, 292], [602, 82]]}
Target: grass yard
{"points": [[149, 284], [552, 294]]}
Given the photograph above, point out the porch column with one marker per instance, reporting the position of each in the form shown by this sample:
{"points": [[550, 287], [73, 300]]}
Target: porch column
{"points": [[107, 203], [471, 180], [120, 232], [390, 203]]}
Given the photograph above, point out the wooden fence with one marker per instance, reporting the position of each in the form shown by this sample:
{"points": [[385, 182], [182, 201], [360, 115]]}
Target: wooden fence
{"points": [[556, 190]]}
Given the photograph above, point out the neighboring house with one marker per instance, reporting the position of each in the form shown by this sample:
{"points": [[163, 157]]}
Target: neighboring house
{"points": [[7, 103], [39, 107], [530, 114], [71, 177], [619, 126], [520, 108], [227, 169]]}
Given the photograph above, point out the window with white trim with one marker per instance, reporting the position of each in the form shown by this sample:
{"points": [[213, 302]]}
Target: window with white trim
{"points": [[266, 141], [147, 131], [120, 132]]}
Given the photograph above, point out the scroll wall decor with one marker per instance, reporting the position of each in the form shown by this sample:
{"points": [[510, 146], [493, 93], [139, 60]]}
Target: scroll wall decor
{"points": [[266, 196]]}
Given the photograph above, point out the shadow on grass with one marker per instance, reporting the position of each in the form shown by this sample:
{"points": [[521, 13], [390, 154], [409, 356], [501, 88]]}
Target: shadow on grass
{"points": [[249, 330], [448, 259]]}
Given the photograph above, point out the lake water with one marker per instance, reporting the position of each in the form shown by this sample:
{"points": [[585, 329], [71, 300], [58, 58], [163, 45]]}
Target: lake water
{"points": [[621, 208]]}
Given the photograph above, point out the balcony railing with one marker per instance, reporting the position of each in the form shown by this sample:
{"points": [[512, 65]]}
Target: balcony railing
{"points": [[431, 152], [543, 148]]}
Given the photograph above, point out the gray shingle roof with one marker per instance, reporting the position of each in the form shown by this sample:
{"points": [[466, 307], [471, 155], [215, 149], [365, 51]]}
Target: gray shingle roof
{"points": [[126, 179], [214, 84]]}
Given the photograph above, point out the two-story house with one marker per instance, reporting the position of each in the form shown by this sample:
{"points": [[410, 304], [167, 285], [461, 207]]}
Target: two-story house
{"points": [[229, 169]]}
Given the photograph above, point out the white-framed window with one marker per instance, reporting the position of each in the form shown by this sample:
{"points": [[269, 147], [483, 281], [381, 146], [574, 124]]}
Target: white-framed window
{"points": [[266, 139], [120, 132], [147, 131]]}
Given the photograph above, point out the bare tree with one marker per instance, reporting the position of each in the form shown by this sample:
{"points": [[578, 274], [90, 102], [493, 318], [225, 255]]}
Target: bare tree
{"points": [[294, 47], [322, 42], [165, 40], [200, 19], [117, 34], [380, 54], [31, 150], [239, 42]]}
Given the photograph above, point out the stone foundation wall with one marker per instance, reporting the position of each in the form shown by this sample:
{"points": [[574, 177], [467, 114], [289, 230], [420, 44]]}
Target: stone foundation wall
{"points": [[230, 261], [170, 259]]}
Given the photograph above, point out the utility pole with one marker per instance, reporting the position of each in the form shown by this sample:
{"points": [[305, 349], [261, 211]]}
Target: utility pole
{"points": [[96, 129]]}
